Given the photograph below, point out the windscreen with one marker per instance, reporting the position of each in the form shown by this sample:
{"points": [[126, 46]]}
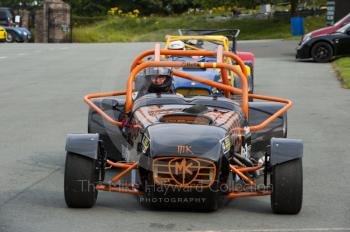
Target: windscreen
{"points": [[3, 18], [342, 20], [3, 15]]}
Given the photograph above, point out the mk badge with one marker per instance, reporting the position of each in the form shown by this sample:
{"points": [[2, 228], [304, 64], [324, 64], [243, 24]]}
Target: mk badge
{"points": [[184, 149], [184, 170]]}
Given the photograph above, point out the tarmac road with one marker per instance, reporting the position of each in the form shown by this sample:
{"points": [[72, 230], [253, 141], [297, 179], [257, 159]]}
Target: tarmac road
{"points": [[41, 90]]}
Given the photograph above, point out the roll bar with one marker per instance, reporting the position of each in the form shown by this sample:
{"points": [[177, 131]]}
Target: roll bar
{"points": [[231, 34], [141, 56], [139, 66]]}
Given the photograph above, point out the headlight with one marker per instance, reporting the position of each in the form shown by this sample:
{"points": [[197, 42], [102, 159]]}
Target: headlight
{"points": [[306, 38]]}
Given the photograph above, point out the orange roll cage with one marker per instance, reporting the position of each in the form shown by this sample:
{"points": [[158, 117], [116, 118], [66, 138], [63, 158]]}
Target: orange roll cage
{"points": [[138, 65]]}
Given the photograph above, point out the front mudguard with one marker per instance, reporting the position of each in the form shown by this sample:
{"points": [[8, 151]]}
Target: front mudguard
{"points": [[284, 150], [86, 145]]}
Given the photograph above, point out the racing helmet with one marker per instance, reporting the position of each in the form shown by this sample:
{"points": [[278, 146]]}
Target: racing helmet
{"points": [[177, 45], [153, 72]]}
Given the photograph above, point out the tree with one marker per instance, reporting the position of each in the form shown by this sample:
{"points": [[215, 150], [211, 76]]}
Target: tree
{"points": [[15, 4], [293, 7]]}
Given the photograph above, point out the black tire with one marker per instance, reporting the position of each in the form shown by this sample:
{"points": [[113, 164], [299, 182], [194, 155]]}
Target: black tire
{"points": [[287, 187], [80, 177], [11, 37], [322, 52]]}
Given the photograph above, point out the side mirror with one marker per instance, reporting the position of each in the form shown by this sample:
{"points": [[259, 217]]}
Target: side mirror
{"points": [[348, 31]]}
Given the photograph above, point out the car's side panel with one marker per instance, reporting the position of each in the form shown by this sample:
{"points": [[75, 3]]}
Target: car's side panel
{"points": [[259, 112], [3, 34], [111, 136], [343, 45]]}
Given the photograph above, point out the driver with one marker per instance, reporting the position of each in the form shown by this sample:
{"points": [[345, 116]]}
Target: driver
{"points": [[157, 80], [176, 45]]}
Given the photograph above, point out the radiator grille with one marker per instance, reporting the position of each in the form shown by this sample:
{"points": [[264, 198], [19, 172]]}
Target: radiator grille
{"points": [[183, 172]]}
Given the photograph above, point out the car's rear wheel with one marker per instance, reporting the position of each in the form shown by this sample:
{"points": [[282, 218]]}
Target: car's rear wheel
{"points": [[287, 187], [322, 52], [80, 178]]}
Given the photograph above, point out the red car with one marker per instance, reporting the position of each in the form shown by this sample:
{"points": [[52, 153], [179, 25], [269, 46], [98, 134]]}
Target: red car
{"points": [[326, 30]]}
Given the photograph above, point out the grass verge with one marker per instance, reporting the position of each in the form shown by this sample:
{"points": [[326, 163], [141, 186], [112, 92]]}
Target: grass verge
{"points": [[342, 67], [117, 29]]}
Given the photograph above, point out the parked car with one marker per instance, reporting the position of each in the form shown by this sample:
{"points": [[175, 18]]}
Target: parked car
{"points": [[324, 48], [14, 33], [3, 34], [6, 17], [326, 30], [18, 34]]}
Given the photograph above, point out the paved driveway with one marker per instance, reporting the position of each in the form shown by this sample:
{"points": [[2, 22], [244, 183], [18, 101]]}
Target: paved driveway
{"points": [[41, 89]]}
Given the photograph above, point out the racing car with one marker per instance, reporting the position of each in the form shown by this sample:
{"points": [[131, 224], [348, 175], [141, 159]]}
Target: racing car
{"points": [[190, 152], [208, 39]]}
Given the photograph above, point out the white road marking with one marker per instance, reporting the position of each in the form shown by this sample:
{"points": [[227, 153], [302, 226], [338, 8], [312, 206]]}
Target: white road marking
{"points": [[3, 57], [280, 230], [21, 54]]}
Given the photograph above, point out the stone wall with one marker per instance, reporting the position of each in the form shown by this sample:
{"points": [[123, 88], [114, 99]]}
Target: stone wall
{"points": [[52, 23]]}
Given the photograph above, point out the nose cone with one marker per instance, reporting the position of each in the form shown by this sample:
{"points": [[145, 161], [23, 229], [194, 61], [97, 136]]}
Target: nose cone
{"points": [[189, 140]]}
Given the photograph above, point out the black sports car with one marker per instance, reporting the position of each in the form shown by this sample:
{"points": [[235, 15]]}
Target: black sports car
{"points": [[323, 48]]}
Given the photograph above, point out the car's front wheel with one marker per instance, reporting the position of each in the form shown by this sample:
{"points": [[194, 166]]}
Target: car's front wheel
{"points": [[80, 177], [11, 37], [322, 52], [287, 187]]}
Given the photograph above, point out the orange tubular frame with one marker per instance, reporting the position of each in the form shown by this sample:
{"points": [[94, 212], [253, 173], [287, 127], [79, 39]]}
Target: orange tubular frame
{"points": [[127, 188], [240, 172], [139, 58], [138, 65]]}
